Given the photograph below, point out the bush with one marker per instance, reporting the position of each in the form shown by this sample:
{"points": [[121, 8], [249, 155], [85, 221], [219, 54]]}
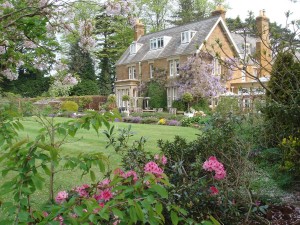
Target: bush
{"points": [[157, 94], [69, 106], [224, 138], [179, 105]]}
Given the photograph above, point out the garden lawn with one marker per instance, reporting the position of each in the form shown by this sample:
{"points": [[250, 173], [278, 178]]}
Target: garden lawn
{"points": [[88, 141]]}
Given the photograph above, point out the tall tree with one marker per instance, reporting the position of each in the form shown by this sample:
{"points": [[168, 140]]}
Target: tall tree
{"points": [[82, 65], [194, 10], [114, 34], [154, 13]]}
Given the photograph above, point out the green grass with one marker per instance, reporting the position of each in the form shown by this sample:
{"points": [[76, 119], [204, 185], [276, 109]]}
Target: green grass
{"points": [[88, 141]]}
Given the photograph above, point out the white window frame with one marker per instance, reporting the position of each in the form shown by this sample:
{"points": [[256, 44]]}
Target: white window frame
{"points": [[217, 67], [156, 43], [186, 36], [133, 48], [131, 73], [174, 67], [151, 69]]}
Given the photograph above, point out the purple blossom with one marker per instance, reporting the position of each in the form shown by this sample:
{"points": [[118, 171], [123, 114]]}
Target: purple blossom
{"points": [[136, 119], [173, 123]]}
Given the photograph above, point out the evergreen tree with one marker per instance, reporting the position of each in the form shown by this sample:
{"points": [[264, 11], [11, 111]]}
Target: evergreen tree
{"points": [[29, 84], [82, 65], [115, 35]]}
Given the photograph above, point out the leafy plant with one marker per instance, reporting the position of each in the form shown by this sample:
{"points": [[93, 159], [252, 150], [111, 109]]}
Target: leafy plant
{"points": [[69, 106]]}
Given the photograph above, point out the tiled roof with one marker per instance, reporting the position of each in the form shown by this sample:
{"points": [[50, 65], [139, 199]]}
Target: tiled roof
{"points": [[174, 46]]}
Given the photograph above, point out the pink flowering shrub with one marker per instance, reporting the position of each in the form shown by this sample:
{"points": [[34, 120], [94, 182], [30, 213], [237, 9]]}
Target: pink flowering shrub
{"points": [[126, 198], [213, 165]]}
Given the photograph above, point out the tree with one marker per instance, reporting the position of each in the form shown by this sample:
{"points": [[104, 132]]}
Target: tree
{"points": [[283, 96], [29, 84], [154, 13], [114, 34], [194, 10]]}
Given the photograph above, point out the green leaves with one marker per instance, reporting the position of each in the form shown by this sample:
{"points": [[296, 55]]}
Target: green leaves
{"points": [[160, 190]]}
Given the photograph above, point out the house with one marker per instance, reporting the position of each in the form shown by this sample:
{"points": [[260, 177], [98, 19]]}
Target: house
{"points": [[168, 49]]}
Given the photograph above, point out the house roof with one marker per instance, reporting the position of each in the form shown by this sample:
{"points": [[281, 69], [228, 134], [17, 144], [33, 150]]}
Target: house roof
{"points": [[174, 47]]}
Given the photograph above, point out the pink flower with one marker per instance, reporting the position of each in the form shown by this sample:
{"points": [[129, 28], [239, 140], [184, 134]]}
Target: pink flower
{"points": [[105, 195], [212, 164], [152, 167], [103, 184], [82, 190], [164, 160], [60, 219], [214, 190], [61, 197], [132, 174], [45, 214], [118, 172], [156, 156]]}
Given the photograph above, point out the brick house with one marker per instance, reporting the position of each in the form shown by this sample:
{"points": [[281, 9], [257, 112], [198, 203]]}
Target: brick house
{"points": [[168, 49]]}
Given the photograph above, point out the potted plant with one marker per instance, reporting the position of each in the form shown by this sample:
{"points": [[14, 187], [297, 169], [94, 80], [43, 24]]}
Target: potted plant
{"points": [[126, 98], [188, 98]]}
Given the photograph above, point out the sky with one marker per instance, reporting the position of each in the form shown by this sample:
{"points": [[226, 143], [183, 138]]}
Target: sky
{"points": [[275, 9]]}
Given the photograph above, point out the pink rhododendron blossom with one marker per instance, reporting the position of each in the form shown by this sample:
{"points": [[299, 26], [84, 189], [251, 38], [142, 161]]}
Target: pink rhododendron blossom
{"points": [[156, 156], [82, 190], [152, 167], [103, 184], [105, 195], [118, 172], [61, 197], [132, 174], [164, 160], [45, 214], [214, 190], [60, 219], [212, 164]]}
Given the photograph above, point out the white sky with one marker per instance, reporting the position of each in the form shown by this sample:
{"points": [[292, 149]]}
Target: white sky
{"points": [[275, 9]]}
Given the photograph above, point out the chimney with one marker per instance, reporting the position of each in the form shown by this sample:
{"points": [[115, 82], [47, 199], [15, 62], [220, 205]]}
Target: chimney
{"points": [[219, 11], [139, 30], [263, 51]]}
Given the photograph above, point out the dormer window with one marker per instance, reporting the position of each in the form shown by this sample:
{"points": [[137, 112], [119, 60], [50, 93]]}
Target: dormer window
{"points": [[133, 48], [160, 42], [187, 36]]}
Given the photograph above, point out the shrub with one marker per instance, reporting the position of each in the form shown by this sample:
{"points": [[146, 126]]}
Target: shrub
{"points": [[69, 106], [149, 120], [157, 94], [179, 105]]}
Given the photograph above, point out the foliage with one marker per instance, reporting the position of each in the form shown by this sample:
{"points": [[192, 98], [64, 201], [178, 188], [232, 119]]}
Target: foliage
{"points": [[179, 105], [69, 106], [157, 94], [190, 11], [85, 87], [194, 121], [281, 113], [228, 105], [154, 13], [224, 138], [29, 84], [125, 98], [27, 156], [81, 64], [115, 35], [187, 98]]}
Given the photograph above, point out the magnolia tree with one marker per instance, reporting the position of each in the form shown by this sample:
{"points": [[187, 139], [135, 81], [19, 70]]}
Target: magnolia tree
{"points": [[29, 31], [196, 77]]}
